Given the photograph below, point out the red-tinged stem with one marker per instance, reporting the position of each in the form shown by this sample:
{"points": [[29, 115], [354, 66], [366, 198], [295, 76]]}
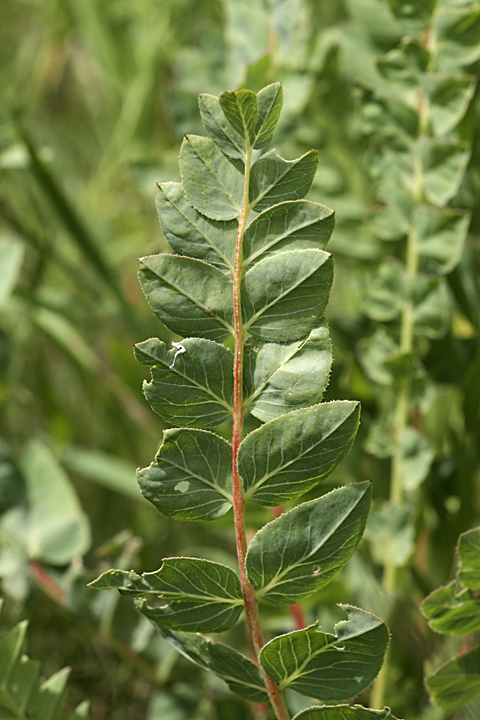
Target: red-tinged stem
{"points": [[249, 596], [298, 615]]}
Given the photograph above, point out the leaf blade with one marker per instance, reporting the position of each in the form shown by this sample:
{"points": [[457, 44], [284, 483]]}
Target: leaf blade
{"points": [[273, 179]]}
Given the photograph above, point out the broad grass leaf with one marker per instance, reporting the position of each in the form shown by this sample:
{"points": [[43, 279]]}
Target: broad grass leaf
{"points": [[281, 377], [452, 611], [443, 168], [218, 127], [203, 596], [189, 296], [241, 674], [448, 97], [301, 551], [329, 667], [469, 554], [192, 384], [192, 234], [441, 237], [295, 225], [288, 456], [241, 110], [273, 179], [213, 182], [284, 296], [457, 683], [344, 712], [191, 476]]}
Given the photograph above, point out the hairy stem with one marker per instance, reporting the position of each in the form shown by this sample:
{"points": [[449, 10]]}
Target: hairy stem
{"points": [[251, 604]]}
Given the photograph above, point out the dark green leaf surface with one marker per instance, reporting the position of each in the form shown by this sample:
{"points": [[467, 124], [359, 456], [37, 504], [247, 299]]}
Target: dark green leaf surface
{"points": [[273, 179], [269, 101], [191, 476], [296, 225], [301, 551], [281, 377], [242, 675], [452, 612], [191, 233], [457, 683], [218, 127], [329, 667], [449, 97], [287, 457], [284, 296], [189, 296], [469, 553], [443, 167], [213, 182], [344, 712], [192, 384], [440, 237], [240, 109]]}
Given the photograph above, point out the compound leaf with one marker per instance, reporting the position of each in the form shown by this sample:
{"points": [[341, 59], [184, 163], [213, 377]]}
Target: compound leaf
{"points": [[192, 384], [329, 667], [191, 476], [192, 234], [295, 225], [457, 683], [284, 296], [241, 110], [344, 712], [273, 179], [218, 127], [281, 377], [189, 296], [301, 551], [213, 182], [288, 456]]}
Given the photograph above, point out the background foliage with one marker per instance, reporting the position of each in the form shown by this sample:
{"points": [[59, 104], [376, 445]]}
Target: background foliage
{"points": [[95, 99]]}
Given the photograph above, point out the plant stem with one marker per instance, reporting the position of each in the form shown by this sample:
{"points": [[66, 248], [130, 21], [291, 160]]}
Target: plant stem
{"points": [[251, 603]]}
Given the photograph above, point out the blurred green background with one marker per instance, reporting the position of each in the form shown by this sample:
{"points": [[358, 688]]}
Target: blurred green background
{"points": [[96, 97]]}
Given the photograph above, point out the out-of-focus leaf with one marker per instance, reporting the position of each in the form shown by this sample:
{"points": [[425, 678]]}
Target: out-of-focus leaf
{"points": [[386, 296], [440, 237], [110, 471], [455, 34], [449, 97], [391, 533], [443, 167], [457, 683], [469, 554], [431, 306], [452, 612], [11, 258], [417, 456]]}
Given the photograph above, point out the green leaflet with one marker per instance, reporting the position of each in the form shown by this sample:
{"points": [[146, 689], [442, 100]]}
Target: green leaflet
{"points": [[288, 456], [273, 179], [414, 16], [431, 306], [295, 225], [11, 258], [284, 296], [329, 667], [281, 377], [451, 611], [242, 675], [469, 554], [455, 33], [213, 182], [457, 683], [344, 712], [443, 167], [301, 551], [241, 110], [189, 296], [441, 237], [269, 101], [191, 233], [218, 127], [192, 384], [204, 596], [449, 97], [386, 296], [191, 476]]}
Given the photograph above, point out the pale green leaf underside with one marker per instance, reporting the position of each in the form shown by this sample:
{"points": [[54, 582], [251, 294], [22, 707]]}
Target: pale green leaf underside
{"points": [[242, 675], [288, 456], [344, 712], [191, 476], [469, 554], [203, 596], [301, 551], [281, 377], [451, 611], [192, 384], [218, 127], [192, 234], [189, 296], [295, 225], [285, 295], [240, 109], [213, 182], [274, 180], [457, 683], [329, 667]]}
